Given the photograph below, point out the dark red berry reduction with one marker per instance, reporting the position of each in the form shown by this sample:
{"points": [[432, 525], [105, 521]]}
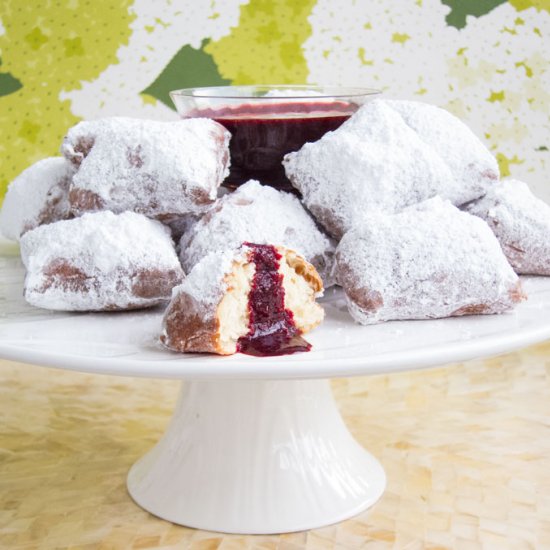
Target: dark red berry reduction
{"points": [[262, 134], [272, 330]]}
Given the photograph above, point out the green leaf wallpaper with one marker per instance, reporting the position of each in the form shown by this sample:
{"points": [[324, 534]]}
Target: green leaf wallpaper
{"points": [[485, 60], [189, 68], [460, 9], [8, 83]]}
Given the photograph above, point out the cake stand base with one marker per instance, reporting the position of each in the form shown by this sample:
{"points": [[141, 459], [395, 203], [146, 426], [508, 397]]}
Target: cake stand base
{"points": [[256, 457]]}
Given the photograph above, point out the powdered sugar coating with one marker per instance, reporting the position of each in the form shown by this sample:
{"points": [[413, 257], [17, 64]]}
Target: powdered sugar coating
{"points": [[154, 168], [387, 156], [263, 215], [431, 260], [521, 223], [205, 283], [191, 321], [39, 195], [99, 261], [474, 168]]}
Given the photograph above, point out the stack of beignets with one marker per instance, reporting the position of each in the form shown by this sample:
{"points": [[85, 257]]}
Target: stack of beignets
{"points": [[120, 170], [420, 227], [396, 260]]}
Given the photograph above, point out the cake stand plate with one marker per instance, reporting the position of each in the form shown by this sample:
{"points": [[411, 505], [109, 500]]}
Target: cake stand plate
{"points": [[257, 445]]}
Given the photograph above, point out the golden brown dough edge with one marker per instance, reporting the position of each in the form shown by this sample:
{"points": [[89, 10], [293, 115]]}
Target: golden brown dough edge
{"points": [[302, 267], [153, 285], [188, 328]]}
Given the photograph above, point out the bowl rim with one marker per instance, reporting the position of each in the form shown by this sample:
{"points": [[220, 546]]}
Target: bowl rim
{"points": [[340, 92]]}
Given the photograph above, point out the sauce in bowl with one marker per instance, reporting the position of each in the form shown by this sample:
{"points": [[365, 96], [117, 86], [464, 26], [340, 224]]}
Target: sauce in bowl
{"points": [[263, 134], [267, 122]]}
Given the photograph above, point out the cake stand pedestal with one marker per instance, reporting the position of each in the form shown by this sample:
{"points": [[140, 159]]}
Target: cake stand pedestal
{"points": [[256, 457]]}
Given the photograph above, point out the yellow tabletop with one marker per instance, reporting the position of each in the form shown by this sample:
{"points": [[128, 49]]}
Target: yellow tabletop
{"points": [[466, 449]]}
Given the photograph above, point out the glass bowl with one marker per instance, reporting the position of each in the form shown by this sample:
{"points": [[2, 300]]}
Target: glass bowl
{"points": [[268, 121]]}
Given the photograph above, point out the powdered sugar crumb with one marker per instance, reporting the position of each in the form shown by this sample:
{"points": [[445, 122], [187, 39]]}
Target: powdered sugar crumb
{"points": [[521, 223]]}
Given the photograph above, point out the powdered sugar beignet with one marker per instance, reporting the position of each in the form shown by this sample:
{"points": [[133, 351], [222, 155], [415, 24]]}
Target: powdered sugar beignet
{"points": [[521, 223], [39, 195], [98, 262], [387, 156], [431, 260], [260, 214], [154, 168]]}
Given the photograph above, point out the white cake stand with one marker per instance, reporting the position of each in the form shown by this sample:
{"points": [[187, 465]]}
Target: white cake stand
{"points": [[257, 445]]}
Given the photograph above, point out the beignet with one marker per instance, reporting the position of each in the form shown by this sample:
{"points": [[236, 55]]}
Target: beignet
{"points": [[387, 156], [100, 262], [259, 214], [153, 168], [521, 223], [431, 260], [39, 195]]}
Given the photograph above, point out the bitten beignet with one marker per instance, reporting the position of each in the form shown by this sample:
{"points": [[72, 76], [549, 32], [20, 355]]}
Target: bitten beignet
{"points": [[100, 262], [257, 299], [429, 261]]}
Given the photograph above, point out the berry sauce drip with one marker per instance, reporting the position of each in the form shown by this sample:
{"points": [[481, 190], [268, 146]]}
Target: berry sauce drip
{"points": [[262, 134], [271, 327]]}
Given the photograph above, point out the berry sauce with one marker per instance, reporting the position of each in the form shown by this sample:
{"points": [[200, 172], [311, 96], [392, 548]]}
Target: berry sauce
{"points": [[262, 134], [271, 327]]}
